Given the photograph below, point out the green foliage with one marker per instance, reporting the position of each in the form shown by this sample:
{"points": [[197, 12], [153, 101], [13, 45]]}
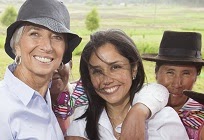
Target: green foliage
{"points": [[9, 16], [5, 60], [2, 41], [92, 20]]}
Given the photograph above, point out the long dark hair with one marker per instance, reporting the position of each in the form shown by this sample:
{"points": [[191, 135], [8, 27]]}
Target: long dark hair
{"points": [[126, 47]]}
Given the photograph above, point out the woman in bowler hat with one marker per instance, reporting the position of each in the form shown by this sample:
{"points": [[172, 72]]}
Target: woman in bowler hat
{"points": [[178, 64], [39, 41]]}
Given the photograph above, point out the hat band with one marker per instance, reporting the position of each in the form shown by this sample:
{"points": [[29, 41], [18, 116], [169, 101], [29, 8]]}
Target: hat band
{"points": [[179, 53]]}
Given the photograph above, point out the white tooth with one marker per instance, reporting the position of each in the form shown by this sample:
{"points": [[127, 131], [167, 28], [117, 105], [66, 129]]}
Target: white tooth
{"points": [[108, 90], [42, 59], [111, 89]]}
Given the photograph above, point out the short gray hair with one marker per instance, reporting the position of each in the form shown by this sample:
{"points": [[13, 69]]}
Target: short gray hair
{"points": [[15, 38]]}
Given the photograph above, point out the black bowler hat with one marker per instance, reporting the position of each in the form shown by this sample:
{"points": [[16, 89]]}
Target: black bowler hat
{"points": [[178, 48], [51, 14], [199, 97]]}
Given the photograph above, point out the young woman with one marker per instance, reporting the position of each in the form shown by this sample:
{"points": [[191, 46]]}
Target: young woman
{"points": [[112, 74]]}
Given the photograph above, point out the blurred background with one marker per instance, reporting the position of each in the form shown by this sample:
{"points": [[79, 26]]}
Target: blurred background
{"points": [[143, 20]]}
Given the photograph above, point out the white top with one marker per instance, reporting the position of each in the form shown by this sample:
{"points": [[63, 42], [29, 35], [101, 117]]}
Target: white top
{"points": [[24, 113], [161, 126], [164, 125]]}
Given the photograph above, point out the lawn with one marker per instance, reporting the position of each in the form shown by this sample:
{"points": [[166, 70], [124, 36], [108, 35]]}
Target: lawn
{"points": [[144, 23]]}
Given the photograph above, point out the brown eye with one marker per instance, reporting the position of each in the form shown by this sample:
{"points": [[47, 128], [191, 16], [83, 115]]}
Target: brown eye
{"points": [[170, 72], [58, 37], [96, 71], [116, 67], [35, 34], [186, 73]]}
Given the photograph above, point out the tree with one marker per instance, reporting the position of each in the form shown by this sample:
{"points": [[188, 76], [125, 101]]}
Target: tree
{"points": [[9, 16], [92, 20]]}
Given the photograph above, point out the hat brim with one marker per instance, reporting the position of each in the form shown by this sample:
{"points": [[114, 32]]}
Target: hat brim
{"points": [[72, 38], [176, 60], [199, 97]]}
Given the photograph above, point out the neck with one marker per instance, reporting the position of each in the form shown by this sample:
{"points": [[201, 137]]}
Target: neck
{"points": [[38, 83], [178, 107], [117, 113]]}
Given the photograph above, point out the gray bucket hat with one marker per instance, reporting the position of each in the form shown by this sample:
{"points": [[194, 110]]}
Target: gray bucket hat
{"points": [[51, 14], [178, 48]]}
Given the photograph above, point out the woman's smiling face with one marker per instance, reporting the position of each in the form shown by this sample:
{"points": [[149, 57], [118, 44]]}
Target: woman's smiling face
{"points": [[41, 50], [177, 78], [111, 74]]}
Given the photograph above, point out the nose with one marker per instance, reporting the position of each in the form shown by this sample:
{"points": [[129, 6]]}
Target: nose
{"points": [[46, 45], [177, 82], [107, 80]]}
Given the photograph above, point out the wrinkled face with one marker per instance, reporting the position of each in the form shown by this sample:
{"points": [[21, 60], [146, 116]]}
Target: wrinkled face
{"points": [[41, 51], [111, 74], [176, 79], [60, 80]]}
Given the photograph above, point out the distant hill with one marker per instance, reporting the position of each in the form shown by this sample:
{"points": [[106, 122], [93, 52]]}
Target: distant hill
{"points": [[191, 3], [7, 2]]}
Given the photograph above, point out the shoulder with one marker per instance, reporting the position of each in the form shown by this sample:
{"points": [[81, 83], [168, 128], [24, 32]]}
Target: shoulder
{"points": [[3, 86], [5, 94], [192, 105], [154, 86], [8, 100], [158, 91], [7, 104]]}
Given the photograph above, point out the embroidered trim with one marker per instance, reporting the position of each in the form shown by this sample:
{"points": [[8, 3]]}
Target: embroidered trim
{"points": [[66, 105]]}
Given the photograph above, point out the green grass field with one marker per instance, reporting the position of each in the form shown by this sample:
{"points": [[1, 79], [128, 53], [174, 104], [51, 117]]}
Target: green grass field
{"points": [[144, 23]]}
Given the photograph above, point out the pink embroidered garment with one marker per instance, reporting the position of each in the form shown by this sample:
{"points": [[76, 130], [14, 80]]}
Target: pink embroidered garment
{"points": [[192, 116]]}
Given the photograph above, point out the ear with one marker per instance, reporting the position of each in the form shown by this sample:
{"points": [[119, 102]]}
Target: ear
{"points": [[196, 78], [70, 64], [17, 49], [134, 72], [156, 75]]}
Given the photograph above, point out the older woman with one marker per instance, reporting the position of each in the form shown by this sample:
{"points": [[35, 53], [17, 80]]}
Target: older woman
{"points": [[178, 71], [40, 41]]}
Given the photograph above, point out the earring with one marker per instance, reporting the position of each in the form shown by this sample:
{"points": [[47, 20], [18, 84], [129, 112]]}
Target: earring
{"points": [[61, 66], [134, 73], [17, 60]]}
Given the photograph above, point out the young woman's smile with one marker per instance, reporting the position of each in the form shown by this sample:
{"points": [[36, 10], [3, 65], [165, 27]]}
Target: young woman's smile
{"points": [[110, 74]]}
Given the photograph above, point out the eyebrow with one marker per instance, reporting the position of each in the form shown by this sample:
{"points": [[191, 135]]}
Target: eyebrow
{"points": [[92, 67], [30, 27], [110, 63], [170, 69]]}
